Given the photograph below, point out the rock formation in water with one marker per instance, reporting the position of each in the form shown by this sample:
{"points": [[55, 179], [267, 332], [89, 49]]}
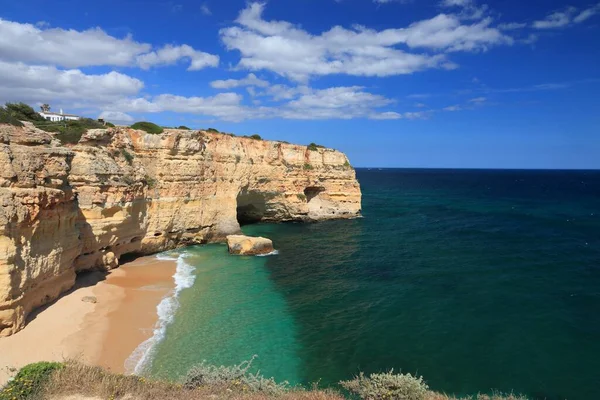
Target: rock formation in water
{"points": [[119, 191], [248, 245]]}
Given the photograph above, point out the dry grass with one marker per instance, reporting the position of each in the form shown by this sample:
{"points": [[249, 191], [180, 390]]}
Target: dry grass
{"points": [[78, 381]]}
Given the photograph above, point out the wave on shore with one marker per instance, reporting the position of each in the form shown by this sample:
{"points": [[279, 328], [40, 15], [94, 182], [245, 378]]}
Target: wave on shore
{"points": [[140, 360]]}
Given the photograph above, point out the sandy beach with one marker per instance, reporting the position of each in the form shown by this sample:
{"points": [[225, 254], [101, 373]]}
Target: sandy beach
{"points": [[103, 333]]}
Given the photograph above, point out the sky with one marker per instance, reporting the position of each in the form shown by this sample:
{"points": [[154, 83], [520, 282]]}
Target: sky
{"points": [[392, 83]]}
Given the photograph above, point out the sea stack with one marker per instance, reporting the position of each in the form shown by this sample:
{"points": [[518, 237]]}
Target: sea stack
{"points": [[249, 246]]}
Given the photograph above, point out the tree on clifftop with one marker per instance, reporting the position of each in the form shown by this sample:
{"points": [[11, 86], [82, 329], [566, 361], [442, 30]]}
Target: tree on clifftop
{"points": [[45, 107]]}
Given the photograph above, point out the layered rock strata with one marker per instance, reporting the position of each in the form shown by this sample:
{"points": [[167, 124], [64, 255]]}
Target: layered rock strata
{"points": [[119, 191]]}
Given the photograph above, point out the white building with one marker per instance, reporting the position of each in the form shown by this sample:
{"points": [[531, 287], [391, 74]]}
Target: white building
{"points": [[56, 117]]}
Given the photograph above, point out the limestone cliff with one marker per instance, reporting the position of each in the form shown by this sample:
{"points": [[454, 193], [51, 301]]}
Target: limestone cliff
{"points": [[121, 191]]}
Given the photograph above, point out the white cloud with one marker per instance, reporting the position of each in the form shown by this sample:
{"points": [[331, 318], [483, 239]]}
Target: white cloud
{"points": [[453, 108], [456, 3], [21, 82], [169, 55], [307, 104], [250, 80], [420, 105], [116, 116], [285, 49], [511, 26], [386, 115], [67, 48], [566, 17], [93, 47], [588, 13], [205, 10], [556, 20], [478, 100]]}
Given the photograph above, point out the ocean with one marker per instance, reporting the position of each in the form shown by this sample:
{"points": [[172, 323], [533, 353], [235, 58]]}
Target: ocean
{"points": [[475, 279]]}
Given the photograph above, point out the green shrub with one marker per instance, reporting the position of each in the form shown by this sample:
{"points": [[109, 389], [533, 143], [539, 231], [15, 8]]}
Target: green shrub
{"points": [[23, 112], [212, 130], [7, 118], [148, 127], [315, 147], [109, 124], [307, 166], [255, 137], [69, 132], [127, 155], [236, 377], [29, 381], [301, 196], [347, 164], [183, 127], [150, 182], [387, 386]]}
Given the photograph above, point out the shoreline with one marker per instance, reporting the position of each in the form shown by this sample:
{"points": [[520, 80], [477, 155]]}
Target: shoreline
{"points": [[103, 333]]}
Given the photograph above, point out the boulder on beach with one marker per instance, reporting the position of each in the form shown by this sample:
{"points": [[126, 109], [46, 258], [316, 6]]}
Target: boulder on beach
{"points": [[249, 245]]}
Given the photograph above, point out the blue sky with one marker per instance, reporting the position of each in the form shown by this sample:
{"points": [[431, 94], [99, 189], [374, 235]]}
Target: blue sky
{"points": [[393, 83]]}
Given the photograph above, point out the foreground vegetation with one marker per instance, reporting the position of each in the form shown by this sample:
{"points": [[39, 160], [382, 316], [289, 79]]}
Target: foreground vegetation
{"points": [[52, 381]]}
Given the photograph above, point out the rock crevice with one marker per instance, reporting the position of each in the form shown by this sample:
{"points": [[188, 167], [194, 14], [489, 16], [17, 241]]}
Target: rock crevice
{"points": [[121, 191]]}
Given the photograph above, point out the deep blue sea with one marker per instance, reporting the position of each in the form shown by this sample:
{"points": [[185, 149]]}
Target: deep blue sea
{"points": [[475, 279]]}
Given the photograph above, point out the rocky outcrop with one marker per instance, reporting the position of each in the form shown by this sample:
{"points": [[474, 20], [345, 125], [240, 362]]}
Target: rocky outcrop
{"points": [[121, 191], [248, 245]]}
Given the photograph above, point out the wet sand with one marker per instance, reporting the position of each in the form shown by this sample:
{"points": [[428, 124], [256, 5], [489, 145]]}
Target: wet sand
{"points": [[104, 333]]}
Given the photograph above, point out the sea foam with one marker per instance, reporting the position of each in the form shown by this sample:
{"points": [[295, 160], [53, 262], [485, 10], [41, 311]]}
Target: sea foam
{"points": [[140, 360], [273, 253]]}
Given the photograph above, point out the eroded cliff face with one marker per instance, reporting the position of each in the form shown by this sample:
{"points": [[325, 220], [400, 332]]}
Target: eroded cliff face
{"points": [[121, 191]]}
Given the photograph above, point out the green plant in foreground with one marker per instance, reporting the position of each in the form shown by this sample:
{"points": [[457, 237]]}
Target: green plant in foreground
{"points": [[29, 381], [148, 127], [236, 377], [387, 386], [307, 166]]}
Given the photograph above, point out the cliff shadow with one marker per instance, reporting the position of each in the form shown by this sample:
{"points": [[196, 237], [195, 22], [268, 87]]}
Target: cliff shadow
{"points": [[251, 207], [83, 279]]}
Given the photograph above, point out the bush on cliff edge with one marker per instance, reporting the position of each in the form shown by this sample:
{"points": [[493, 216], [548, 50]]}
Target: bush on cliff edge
{"points": [[148, 127], [388, 386], [30, 381], [7, 118]]}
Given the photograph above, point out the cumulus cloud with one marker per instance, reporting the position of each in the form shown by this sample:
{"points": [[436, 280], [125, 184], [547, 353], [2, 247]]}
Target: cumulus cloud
{"points": [[307, 104], [21, 42], [250, 80], [169, 55], [290, 51], [32, 84], [116, 116]]}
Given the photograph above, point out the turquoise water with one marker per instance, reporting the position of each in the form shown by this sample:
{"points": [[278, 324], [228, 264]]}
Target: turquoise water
{"points": [[477, 280]]}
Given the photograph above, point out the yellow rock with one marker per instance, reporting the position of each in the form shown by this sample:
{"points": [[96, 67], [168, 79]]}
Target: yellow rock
{"points": [[67, 209], [248, 245]]}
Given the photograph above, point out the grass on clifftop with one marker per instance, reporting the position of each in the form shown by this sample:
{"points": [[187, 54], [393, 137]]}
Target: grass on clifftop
{"points": [[148, 127], [53, 381]]}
